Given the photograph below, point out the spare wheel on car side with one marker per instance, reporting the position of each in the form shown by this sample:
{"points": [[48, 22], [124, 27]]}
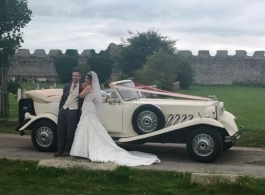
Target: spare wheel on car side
{"points": [[148, 118]]}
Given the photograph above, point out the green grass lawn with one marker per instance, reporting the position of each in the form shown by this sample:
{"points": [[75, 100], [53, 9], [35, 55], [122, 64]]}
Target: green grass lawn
{"points": [[247, 103], [46, 85], [23, 177], [13, 107]]}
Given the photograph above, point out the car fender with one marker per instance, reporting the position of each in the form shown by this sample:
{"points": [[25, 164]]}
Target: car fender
{"points": [[228, 120], [193, 122], [33, 118]]}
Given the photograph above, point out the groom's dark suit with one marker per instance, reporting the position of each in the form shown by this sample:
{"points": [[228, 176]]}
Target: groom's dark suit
{"points": [[68, 118], [66, 91]]}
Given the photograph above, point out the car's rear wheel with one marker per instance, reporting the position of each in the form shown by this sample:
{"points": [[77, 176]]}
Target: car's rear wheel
{"points": [[44, 136], [204, 144], [147, 119]]}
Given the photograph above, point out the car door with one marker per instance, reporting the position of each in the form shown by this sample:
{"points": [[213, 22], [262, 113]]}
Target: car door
{"points": [[111, 114]]}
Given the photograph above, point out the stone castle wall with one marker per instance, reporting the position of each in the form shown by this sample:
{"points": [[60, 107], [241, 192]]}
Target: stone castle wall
{"points": [[26, 66], [221, 69]]}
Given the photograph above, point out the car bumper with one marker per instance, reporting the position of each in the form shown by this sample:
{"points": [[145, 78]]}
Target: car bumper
{"points": [[234, 137], [21, 125]]}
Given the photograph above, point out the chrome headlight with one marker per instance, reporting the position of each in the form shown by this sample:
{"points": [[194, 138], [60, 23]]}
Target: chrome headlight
{"points": [[214, 112], [222, 107], [210, 112]]}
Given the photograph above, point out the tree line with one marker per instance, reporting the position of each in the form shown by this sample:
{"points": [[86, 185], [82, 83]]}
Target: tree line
{"points": [[145, 57]]}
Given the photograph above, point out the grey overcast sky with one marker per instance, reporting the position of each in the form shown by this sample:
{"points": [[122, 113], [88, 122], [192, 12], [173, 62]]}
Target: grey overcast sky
{"points": [[197, 24]]}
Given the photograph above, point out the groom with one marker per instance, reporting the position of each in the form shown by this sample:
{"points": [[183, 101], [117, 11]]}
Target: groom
{"points": [[69, 114]]}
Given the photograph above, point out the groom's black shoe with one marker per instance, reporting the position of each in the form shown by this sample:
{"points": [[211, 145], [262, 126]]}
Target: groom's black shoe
{"points": [[58, 154], [64, 154]]}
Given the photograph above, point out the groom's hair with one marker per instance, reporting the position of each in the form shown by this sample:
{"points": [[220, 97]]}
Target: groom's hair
{"points": [[76, 70]]}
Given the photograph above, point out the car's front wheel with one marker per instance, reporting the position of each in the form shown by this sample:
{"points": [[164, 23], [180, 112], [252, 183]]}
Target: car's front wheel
{"points": [[44, 136], [204, 144]]}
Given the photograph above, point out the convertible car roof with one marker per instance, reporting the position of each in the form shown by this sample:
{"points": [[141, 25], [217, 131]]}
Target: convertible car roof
{"points": [[45, 95]]}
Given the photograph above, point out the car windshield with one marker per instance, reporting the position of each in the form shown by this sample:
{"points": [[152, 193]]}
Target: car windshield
{"points": [[128, 95]]}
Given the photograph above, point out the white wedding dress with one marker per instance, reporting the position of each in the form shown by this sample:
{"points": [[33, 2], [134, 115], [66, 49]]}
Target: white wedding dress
{"points": [[92, 141]]}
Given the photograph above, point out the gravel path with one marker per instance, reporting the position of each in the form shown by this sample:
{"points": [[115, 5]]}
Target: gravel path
{"points": [[174, 157]]}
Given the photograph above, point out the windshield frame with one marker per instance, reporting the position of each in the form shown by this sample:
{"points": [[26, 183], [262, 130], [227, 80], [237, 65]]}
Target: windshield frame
{"points": [[133, 95]]}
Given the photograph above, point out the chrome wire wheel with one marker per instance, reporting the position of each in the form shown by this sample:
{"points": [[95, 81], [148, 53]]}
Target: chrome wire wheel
{"points": [[203, 144], [147, 121], [148, 118], [44, 136]]}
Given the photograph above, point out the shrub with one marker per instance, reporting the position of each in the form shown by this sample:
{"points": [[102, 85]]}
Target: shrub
{"points": [[163, 69], [186, 73], [102, 65], [160, 69], [12, 86], [83, 68], [64, 65], [72, 52]]}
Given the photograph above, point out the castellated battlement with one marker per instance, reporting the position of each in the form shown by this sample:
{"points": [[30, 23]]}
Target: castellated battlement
{"points": [[42, 53], [186, 53], [27, 66], [224, 69], [221, 54], [219, 69]]}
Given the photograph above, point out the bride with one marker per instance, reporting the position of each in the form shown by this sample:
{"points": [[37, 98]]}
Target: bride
{"points": [[92, 140]]}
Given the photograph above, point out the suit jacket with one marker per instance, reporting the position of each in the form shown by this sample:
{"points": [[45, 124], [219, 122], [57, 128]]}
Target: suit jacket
{"points": [[66, 91]]}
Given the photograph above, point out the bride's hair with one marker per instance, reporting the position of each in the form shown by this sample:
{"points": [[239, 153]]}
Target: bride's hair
{"points": [[89, 76], [96, 91]]}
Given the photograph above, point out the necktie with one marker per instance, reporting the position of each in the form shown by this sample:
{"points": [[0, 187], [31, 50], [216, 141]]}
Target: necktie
{"points": [[74, 86]]}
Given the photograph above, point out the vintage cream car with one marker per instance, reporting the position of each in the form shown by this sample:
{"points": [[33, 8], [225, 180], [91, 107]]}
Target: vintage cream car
{"points": [[129, 117]]}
